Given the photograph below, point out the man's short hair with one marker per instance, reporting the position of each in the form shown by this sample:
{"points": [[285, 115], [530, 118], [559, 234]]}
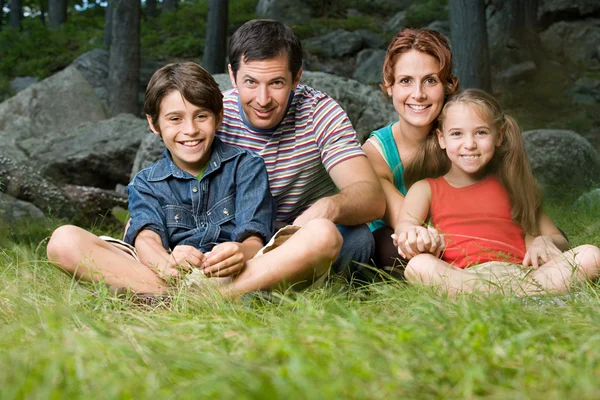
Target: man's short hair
{"points": [[194, 83], [263, 39]]}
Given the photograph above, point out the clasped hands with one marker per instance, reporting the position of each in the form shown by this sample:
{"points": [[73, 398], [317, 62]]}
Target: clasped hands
{"points": [[225, 259], [418, 239]]}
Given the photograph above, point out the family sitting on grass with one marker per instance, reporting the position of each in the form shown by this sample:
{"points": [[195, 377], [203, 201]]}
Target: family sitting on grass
{"points": [[265, 186]]}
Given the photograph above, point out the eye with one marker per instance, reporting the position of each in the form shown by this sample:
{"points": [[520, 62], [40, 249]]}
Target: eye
{"points": [[174, 119], [431, 81], [455, 133], [277, 84], [481, 133], [404, 81], [250, 82], [202, 117]]}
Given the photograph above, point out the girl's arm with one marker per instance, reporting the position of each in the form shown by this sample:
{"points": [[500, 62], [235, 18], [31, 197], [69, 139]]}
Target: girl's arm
{"points": [[393, 198], [410, 236], [549, 243]]}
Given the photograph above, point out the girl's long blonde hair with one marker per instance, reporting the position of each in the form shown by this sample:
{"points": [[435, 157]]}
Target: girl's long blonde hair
{"points": [[509, 162]]}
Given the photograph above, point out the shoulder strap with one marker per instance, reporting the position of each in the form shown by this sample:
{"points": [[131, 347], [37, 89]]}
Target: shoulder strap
{"points": [[392, 157]]}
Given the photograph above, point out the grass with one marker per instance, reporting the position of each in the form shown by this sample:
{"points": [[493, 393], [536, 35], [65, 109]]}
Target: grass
{"points": [[64, 340]]}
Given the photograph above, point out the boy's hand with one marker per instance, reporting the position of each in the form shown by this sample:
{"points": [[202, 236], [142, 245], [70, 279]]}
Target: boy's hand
{"points": [[225, 259], [542, 248], [182, 257], [417, 240]]}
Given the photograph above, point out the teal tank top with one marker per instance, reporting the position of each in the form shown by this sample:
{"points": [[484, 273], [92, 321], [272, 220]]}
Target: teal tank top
{"points": [[385, 138]]}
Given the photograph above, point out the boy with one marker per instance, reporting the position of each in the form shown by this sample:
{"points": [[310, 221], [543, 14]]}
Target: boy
{"points": [[206, 201]]}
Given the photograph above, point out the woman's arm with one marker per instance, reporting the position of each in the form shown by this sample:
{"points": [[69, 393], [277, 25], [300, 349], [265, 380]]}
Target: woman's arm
{"points": [[393, 198]]}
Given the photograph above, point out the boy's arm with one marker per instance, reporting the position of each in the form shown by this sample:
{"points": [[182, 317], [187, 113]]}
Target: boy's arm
{"points": [[549, 243]]}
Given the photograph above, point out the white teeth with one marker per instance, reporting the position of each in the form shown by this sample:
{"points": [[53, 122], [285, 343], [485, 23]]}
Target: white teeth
{"points": [[470, 157], [417, 107], [190, 143]]}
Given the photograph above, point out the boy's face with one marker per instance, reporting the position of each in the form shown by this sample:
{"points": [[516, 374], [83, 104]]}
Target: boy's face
{"points": [[187, 131]]}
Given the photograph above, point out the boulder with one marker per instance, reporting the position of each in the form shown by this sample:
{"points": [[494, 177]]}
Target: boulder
{"points": [[369, 66], [519, 72], [93, 154], [93, 65], [576, 41], [58, 103], [442, 27], [396, 23], [561, 158], [287, 11], [16, 211], [150, 150], [586, 90], [551, 11], [589, 199], [336, 44], [94, 204]]}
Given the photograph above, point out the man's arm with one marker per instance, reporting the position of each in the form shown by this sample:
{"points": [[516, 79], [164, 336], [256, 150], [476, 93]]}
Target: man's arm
{"points": [[359, 200]]}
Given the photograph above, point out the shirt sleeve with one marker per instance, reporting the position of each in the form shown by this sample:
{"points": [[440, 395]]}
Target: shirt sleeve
{"points": [[334, 133], [255, 207], [145, 211]]}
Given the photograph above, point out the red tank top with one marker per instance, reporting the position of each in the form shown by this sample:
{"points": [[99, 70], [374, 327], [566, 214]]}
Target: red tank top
{"points": [[476, 222]]}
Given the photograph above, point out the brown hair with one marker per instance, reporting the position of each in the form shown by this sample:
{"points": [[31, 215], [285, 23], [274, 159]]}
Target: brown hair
{"points": [[194, 83], [509, 162], [436, 45]]}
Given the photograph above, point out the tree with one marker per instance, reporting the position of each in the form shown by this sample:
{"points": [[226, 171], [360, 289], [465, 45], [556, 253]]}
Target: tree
{"points": [[108, 24], [1, 12], [151, 9], [124, 59], [216, 36], [169, 5], [15, 14], [468, 35], [57, 13]]}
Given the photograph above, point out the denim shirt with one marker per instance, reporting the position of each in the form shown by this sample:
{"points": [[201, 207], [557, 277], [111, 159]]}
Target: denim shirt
{"points": [[230, 202]]}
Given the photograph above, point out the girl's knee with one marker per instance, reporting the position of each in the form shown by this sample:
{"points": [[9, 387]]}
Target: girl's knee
{"points": [[62, 241], [588, 257], [419, 268]]}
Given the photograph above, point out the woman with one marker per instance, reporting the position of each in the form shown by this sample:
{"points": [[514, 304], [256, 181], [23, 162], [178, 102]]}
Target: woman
{"points": [[417, 75]]}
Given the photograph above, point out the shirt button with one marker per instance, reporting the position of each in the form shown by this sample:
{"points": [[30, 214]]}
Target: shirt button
{"points": [[194, 189]]}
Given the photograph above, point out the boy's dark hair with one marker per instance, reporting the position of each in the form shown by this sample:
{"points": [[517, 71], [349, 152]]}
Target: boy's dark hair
{"points": [[263, 39], [194, 83]]}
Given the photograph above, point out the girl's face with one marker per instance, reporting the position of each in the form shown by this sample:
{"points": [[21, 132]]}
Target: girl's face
{"points": [[417, 92], [469, 140]]}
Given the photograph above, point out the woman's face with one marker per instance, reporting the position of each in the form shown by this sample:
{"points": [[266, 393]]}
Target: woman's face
{"points": [[417, 92]]}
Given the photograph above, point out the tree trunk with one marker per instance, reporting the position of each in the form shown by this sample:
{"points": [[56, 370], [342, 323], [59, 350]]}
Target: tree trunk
{"points": [[57, 13], [15, 14], [169, 6], [216, 36], [515, 31], [1, 13], [108, 23], [124, 60], [469, 40], [151, 12], [42, 12]]}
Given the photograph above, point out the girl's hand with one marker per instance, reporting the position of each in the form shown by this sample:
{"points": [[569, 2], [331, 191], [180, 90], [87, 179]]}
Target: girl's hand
{"points": [[417, 240], [225, 259], [542, 248]]}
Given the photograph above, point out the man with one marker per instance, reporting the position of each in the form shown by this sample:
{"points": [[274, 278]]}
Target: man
{"points": [[316, 167]]}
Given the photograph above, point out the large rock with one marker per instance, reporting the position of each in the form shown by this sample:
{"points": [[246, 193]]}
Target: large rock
{"points": [[586, 90], [150, 151], [562, 158], [551, 11], [21, 83], [92, 154], [58, 103], [577, 41], [335, 44], [17, 211], [287, 11], [369, 66]]}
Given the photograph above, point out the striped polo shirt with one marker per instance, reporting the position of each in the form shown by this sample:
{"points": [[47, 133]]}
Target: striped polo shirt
{"points": [[314, 136]]}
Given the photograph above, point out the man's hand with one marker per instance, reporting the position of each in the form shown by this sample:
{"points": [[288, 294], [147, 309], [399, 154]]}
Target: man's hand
{"points": [[322, 208], [225, 259], [417, 240], [541, 249]]}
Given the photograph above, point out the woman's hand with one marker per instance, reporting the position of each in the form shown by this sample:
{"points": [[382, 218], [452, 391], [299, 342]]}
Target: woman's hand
{"points": [[417, 240], [542, 248]]}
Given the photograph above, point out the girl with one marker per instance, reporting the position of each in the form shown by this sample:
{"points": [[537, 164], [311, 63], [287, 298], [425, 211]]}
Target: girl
{"points": [[417, 75], [488, 207]]}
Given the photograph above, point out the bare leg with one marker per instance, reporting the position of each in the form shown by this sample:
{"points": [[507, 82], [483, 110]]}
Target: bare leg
{"points": [[87, 257], [573, 266], [306, 255]]}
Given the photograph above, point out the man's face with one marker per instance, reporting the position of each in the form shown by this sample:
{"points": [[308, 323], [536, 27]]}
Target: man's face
{"points": [[264, 88]]}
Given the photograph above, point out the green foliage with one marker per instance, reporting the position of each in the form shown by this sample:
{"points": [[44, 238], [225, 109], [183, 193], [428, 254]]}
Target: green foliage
{"points": [[420, 14]]}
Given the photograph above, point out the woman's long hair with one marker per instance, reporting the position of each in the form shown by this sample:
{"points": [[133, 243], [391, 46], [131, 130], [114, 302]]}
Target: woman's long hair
{"points": [[509, 162]]}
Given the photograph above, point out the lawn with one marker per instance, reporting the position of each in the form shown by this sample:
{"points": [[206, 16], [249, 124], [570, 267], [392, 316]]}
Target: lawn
{"points": [[64, 340]]}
